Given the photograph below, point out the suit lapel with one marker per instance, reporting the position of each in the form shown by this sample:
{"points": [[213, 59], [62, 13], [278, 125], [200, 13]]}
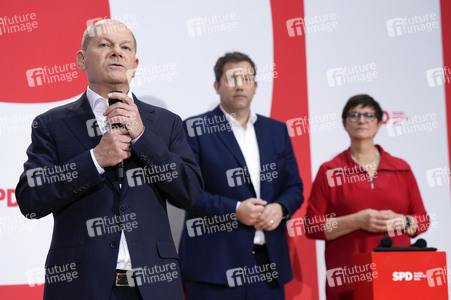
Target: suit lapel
{"points": [[229, 140], [80, 123], [266, 157]]}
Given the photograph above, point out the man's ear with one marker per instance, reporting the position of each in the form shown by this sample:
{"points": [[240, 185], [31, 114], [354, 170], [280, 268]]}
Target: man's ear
{"points": [[81, 60], [216, 85]]}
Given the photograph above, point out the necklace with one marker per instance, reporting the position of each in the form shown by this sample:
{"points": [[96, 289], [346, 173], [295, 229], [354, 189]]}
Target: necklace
{"points": [[372, 163], [366, 167]]}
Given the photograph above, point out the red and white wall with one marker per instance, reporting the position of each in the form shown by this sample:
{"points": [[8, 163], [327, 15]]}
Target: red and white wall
{"points": [[311, 57]]}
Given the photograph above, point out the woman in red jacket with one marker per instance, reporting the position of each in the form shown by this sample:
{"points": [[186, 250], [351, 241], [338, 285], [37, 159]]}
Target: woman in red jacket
{"points": [[360, 196]]}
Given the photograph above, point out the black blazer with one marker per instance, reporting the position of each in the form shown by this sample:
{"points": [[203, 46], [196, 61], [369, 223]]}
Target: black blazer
{"points": [[207, 254], [89, 209]]}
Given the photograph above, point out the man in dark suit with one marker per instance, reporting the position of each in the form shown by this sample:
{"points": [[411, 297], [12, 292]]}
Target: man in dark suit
{"points": [[234, 244], [111, 237]]}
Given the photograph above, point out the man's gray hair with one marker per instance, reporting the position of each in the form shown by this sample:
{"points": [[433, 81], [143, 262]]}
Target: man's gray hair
{"points": [[95, 28]]}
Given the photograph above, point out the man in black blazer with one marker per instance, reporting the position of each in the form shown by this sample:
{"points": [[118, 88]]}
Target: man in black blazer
{"points": [[234, 244], [111, 237]]}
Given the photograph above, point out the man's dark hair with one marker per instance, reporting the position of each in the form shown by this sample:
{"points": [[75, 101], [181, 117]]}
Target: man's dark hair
{"points": [[231, 57], [366, 101]]}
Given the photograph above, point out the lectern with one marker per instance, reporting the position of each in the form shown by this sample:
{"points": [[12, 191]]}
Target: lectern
{"points": [[400, 275]]}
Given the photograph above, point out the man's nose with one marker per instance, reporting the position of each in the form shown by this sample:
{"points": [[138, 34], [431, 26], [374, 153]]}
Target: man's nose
{"points": [[116, 51]]}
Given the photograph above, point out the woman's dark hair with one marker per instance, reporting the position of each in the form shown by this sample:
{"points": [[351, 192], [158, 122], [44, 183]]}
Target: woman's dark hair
{"points": [[231, 57], [366, 101]]}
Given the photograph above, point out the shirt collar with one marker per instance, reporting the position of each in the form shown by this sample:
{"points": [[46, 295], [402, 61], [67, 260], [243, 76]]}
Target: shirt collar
{"points": [[251, 121], [94, 98]]}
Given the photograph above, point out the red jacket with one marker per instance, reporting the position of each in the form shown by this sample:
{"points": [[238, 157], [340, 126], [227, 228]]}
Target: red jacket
{"points": [[341, 188]]}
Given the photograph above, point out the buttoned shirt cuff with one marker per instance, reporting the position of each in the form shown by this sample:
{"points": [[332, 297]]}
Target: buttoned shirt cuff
{"points": [[137, 138], [98, 167]]}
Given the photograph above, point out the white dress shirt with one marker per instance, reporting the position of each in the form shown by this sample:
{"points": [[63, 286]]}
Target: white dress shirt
{"points": [[99, 105], [247, 140]]}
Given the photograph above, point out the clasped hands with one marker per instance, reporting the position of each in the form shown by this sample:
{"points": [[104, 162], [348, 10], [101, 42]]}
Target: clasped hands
{"points": [[381, 221], [256, 212], [114, 146]]}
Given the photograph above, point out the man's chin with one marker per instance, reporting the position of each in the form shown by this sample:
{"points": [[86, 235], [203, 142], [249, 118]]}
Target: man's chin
{"points": [[118, 81]]}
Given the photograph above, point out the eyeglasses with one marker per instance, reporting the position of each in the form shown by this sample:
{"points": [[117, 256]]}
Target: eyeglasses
{"points": [[354, 117]]}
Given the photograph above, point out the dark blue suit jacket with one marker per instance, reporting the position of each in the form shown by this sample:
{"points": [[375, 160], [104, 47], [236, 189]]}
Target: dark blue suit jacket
{"points": [[207, 253], [86, 232]]}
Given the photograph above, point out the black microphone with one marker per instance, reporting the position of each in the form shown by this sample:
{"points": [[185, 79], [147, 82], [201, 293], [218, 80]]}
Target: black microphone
{"points": [[386, 242], [386, 246], [420, 243], [120, 166]]}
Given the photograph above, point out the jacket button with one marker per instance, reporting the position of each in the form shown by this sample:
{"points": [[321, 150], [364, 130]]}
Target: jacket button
{"points": [[122, 207], [113, 245]]}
